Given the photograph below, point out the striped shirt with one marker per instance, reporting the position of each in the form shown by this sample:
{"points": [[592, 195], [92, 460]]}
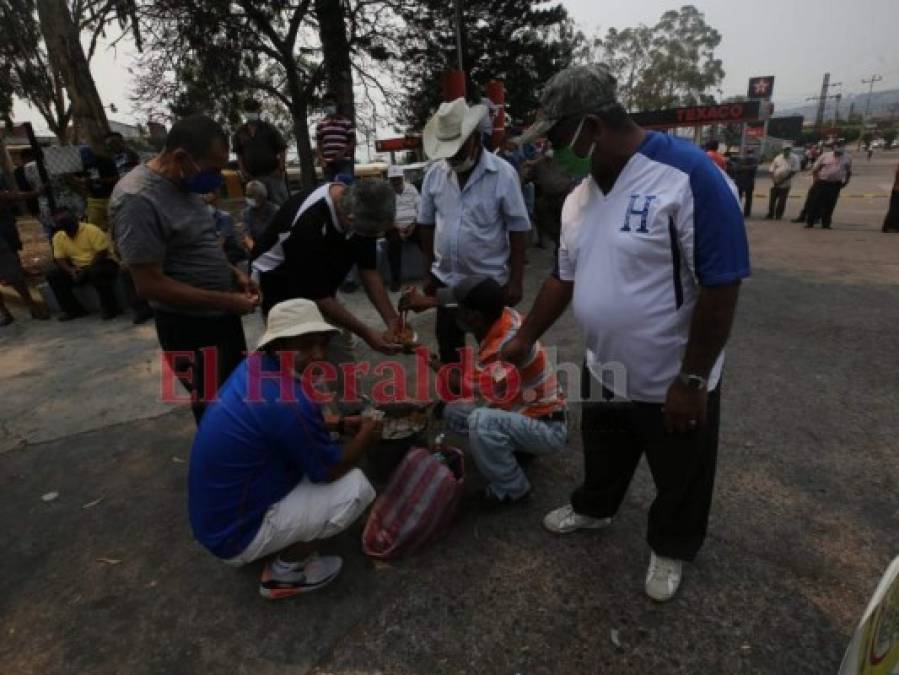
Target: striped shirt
{"points": [[333, 135], [538, 392]]}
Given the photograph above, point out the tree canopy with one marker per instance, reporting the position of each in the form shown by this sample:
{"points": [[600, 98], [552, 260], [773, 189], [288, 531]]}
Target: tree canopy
{"points": [[520, 41], [671, 63]]}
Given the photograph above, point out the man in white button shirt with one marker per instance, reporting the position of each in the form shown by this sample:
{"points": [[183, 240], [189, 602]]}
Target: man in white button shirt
{"points": [[782, 170], [473, 220], [653, 248]]}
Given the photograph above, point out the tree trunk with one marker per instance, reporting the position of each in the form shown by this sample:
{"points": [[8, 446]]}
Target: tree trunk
{"points": [[298, 111], [66, 55], [336, 53]]}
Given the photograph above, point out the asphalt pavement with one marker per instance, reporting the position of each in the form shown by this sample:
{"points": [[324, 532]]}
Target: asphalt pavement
{"points": [[105, 578]]}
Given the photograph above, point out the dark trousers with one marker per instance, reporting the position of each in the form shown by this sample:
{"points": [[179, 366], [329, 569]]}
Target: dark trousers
{"points": [[745, 191], [338, 167], [825, 201], [450, 338], [891, 221], [777, 201], [101, 275], [615, 435], [809, 199], [191, 334], [395, 252], [140, 306]]}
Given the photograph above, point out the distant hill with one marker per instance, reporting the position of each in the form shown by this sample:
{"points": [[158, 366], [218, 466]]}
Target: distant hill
{"points": [[882, 103]]}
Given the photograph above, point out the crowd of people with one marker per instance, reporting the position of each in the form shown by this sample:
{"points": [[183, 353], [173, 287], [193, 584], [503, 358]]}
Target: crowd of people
{"points": [[831, 170], [650, 250]]}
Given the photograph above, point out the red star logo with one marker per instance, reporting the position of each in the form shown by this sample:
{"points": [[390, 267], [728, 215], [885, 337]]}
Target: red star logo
{"points": [[761, 87]]}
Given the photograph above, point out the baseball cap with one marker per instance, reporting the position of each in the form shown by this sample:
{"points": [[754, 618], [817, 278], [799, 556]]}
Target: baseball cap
{"points": [[577, 90], [292, 318]]}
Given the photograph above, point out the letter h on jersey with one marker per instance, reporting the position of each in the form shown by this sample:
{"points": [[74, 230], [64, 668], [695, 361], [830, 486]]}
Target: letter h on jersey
{"points": [[643, 213]]}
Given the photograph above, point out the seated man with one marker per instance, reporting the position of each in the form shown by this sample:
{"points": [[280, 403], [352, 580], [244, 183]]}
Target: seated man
{"points": [[532, 421], [82, 255], [265, 476], [257, 216]]}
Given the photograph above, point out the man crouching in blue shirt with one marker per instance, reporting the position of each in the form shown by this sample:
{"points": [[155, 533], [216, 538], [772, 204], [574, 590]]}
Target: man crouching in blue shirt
{"points": [[265, 475]]}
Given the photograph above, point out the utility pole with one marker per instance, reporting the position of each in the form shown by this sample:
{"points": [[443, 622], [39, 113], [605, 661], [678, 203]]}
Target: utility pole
{"points": [[819, 118], [826, 84], [874, 79], [457, 6]]}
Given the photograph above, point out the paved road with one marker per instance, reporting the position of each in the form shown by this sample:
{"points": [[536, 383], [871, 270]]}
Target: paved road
{"points": [[804, 520]]}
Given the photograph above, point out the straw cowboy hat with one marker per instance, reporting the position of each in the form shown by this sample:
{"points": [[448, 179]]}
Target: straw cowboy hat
{"points": [[450, 127], [292, 318]]}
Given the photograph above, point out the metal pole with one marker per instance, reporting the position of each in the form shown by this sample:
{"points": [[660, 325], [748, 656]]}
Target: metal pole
{"points": [[870, 83], [819, 118], [458, 10]]}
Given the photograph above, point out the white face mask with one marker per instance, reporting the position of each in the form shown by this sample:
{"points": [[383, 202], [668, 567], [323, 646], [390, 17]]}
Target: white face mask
{"points": [[251, 116], [211, 209], [330, 110], [252, 202]]}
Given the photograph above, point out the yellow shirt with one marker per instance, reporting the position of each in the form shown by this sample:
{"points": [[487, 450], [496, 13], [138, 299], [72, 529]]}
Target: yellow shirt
{"points": [[81, 250]]}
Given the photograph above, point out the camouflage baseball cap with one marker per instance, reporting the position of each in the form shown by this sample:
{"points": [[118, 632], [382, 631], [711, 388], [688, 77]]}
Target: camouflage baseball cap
{"points": [[577, 90]]}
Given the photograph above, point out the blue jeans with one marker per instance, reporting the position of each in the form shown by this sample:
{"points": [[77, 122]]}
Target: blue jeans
{"points": [[494, 435]]}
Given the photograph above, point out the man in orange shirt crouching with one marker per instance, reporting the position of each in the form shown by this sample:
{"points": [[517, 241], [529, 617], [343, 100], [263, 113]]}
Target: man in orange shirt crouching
{"points": [[520, 416]]}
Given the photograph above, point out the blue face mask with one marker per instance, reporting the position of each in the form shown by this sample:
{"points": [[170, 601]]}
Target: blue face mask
{"points": [[204, 181]]}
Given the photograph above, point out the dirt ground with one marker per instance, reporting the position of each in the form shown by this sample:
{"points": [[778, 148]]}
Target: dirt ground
{"points": [[803, 524]]}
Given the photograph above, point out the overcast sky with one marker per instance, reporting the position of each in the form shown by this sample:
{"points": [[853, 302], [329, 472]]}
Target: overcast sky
{"points": [[795, 40]]}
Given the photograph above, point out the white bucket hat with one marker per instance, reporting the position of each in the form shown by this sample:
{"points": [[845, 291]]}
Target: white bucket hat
{"points": [[450, 127], [395, 171], [292, 318]]}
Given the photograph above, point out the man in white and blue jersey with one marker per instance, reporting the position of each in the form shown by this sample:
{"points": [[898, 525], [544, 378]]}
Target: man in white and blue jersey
{"points": [[653, 249]]}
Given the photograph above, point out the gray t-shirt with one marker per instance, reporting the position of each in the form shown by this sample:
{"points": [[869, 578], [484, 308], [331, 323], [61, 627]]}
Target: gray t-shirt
{"points": [[154, 221]]}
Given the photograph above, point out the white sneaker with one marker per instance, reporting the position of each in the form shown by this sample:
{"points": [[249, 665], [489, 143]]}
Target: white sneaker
{"points": [[565, 519], [663, 577], [310, 575]]}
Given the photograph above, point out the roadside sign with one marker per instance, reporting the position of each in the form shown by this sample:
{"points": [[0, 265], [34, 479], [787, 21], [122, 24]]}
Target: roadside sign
{"points": [[760, 87]]}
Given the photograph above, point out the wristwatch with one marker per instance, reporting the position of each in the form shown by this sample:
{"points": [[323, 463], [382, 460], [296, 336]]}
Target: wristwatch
{"points": [[693, 382]]}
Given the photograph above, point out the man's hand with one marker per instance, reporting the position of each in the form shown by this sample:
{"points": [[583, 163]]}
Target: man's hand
{"points": [[249, 287], [370, 430], [684, 408], [240, 303], [516, 350], [413, 299], [513, 292], [381, 342]]}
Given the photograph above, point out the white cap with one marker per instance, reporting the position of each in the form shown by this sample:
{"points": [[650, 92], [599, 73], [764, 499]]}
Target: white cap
{"points": [[292, 318], [395, 171]]}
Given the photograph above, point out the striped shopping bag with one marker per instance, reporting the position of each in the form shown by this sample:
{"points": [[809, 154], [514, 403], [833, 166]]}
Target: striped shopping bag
{"points": [[418, 504]]}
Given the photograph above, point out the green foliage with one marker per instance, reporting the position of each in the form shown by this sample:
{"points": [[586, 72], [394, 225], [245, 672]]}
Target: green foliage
{"points": [[522, 42], [671, 63], [26, 68]]}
